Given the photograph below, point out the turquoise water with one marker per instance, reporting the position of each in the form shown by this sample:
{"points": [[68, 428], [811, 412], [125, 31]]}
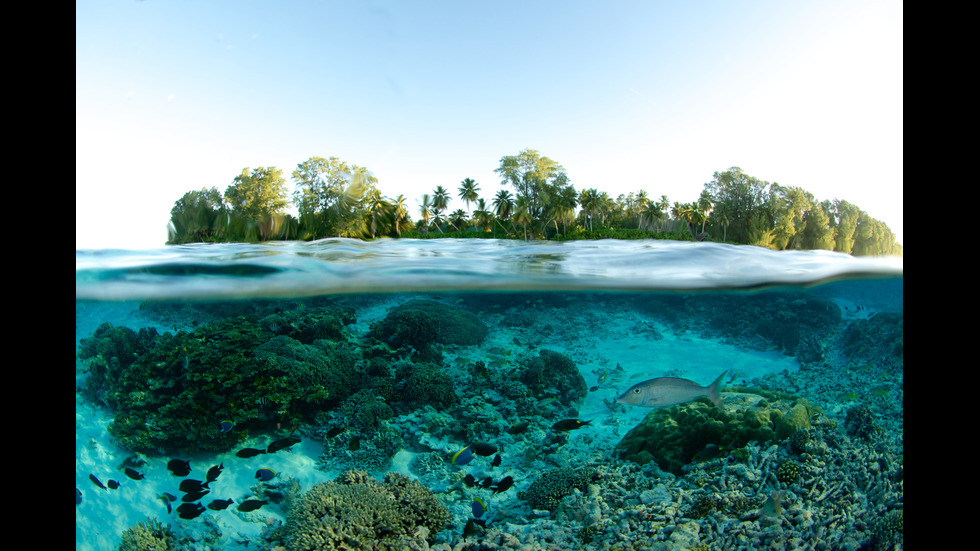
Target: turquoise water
{"points": [[394, 355]]}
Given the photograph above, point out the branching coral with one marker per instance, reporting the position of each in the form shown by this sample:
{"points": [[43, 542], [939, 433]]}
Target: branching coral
{"points": [[356, 511]]}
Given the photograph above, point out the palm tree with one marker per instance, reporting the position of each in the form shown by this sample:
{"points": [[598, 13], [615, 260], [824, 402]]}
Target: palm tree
{"points": [[399, 213], [468, 191], [641, 204], [440, 202], [565, 204], [379, 209], [522, 215], [589, 199], [425, 209], [503, 206], [458, 219], [482, 215]]}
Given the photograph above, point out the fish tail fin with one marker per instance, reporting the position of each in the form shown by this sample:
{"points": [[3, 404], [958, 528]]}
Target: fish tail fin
{"points": [[714, 391]]}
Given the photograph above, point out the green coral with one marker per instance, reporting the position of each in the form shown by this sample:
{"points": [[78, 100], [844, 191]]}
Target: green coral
{"points": [[425, 383], [673, 436], [148, 536], [356, 511], [311, 324], [172, 391], [888, 532], [420, 324], [548, 490], [554, 373], [788, 471]]}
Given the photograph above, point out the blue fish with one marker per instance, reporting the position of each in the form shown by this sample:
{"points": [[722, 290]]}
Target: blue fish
{"points": [[479, 507], [227, 426], [78, 496], [265, 475], [463, 456]]}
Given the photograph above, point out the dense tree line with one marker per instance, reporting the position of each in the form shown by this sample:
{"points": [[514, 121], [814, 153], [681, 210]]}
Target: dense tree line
{"points": [[337, 199]]}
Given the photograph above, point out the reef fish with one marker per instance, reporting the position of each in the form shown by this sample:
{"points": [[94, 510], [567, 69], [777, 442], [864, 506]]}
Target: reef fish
{"points": [[133, 474], [245, 453], [505, 483], [78, 496], [251, 505], [195, 496], [219, 504], [463, 456], [213, 472], [265, 475], [282, 443], [484, 449], [97, 482], [191, 485], [190, 510], [664, 392], [334, 431], [113, 485], [569, 424], [518, 427], [226, 426], [479, 507], [179, 467]]}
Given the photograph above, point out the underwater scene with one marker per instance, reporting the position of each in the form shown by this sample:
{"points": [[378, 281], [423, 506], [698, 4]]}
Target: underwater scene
{"points": [[464, 394]]}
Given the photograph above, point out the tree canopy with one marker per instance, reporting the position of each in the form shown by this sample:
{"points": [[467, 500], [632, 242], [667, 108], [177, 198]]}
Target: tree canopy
{"points": [[338, 199]]}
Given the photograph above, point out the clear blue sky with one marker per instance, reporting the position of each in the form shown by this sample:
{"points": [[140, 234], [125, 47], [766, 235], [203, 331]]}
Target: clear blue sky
{"points": [[626, 95]]}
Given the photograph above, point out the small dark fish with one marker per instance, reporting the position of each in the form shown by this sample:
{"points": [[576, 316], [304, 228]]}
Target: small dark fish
{"points": [[265, 475], [179, 467], [191, 485], [334, 431], [594, 388], [496, 461], [518, 428], [245, 453], [282, 443], [569, 424], [219, 504], [251, 505], [133, 474], [483, 448], [113, 485], [97, 482], [78, 496], [487, 482], [502, 486], [190, 510], [473, 527], [226, 426], [213, 472], [469, 480], [195, 496], [354, 444]]}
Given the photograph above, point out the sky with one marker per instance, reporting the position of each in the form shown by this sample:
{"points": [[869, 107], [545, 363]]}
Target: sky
{"points": [[626, 95]]}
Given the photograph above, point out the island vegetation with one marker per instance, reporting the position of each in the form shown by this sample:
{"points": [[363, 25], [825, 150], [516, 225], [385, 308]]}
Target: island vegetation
{"points": [[337, 199]]}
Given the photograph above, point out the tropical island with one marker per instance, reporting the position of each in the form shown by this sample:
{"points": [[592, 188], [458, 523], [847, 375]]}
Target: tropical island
{"points": [[338, 199]]}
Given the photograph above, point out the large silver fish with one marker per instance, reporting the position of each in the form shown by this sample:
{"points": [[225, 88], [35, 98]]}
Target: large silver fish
{"points": [[664, 392]]}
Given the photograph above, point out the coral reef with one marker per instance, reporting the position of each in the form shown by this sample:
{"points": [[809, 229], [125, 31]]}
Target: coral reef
{"points": [[172, 391], [420, 324], [148, 536], [553, 374], [674, 436], [356, 511], [548, 489]]}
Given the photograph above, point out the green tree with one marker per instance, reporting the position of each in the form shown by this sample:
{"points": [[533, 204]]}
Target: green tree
{"points": [[844, 219], [591, 205], [425, 210], [534, 179], [482, 217], [399, 213], [468, 191], [198, 216], [255, 194], [329, 194], [742, 200], [503, 206]]}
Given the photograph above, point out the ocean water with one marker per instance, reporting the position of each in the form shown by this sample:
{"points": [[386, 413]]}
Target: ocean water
{"points": [[394, 355]]}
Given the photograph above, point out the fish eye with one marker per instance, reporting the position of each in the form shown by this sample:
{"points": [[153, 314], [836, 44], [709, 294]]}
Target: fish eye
{"points": [[636, 391]]}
